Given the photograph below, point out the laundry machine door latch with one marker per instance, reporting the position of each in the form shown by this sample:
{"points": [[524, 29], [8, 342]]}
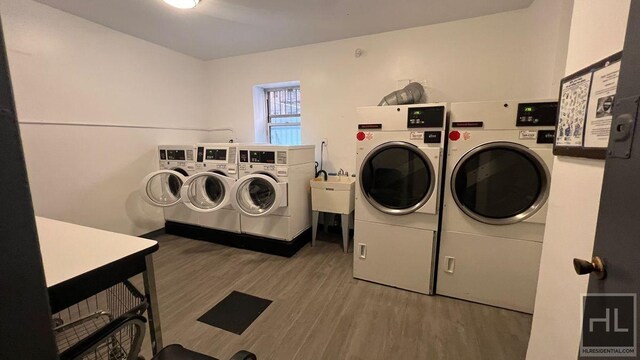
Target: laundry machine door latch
{"points": [[362, 250], [449, 264]]}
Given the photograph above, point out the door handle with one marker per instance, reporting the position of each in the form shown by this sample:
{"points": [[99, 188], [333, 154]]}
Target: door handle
{"points": [[596, 266]]}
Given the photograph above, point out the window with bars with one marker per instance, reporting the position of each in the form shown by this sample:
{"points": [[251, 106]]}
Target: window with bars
{"points": [[283, 116]]}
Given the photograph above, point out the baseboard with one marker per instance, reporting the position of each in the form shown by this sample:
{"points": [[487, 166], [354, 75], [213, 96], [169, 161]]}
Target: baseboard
{"points": [[152, 235], [241, 241]]}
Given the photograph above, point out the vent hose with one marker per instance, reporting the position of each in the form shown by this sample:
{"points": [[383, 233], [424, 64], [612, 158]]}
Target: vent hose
{"points": [[410, 94]]}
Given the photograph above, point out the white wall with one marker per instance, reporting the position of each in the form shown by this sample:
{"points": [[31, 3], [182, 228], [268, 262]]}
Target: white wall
{"points": [[66, 69], [597, 31], [511, 55]]}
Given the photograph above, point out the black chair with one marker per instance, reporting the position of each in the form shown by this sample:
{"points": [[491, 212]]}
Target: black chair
{"points": [[121, 339], [177, 352]]}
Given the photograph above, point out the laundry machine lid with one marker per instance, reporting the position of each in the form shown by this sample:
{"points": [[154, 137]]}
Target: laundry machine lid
{"points": [[500, 183], [162, 188], [258, 195], [206, 191], [397, 178]]}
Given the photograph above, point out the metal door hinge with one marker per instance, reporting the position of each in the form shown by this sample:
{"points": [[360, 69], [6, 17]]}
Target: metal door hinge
{"points": [[623, 127]]}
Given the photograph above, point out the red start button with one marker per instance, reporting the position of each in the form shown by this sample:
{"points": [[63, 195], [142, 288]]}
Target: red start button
{"points": [[454, 135], [361, 136]]}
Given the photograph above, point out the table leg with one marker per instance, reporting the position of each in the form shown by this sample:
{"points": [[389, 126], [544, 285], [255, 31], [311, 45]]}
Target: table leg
{"points": [[314, 226], [153, 312], [345, 232]]}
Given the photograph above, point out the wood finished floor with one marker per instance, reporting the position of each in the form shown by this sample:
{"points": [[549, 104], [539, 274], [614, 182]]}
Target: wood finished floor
{"points": [[319, 311]]}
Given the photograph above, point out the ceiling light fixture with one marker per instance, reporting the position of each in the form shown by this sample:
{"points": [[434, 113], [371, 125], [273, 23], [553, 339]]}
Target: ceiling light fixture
{"points": [[183, 4]]}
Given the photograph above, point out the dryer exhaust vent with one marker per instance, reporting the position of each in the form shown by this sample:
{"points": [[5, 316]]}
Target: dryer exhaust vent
{"points": [[410, 94]]}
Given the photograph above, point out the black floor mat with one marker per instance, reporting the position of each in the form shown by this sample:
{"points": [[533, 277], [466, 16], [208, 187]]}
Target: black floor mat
{"points": [[236, 312]]}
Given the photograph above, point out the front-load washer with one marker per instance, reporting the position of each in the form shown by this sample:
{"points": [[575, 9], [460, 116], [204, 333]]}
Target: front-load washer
{"points": [[273, 193], [495, 203], [208, 191], [399, 161], [162, 188]]}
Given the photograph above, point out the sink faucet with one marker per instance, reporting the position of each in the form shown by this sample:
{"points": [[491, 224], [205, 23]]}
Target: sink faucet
{"points": [[341, 172]]}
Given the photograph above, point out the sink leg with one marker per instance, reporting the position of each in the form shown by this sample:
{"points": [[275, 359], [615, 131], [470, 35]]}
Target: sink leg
{"points": [[326, 218], [314, 226], [345, 232]]}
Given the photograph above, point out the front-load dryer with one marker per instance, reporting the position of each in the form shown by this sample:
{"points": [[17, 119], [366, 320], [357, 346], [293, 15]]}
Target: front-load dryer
{"points": [[273, 193], [162, 188], [399, 161], [208, 191], [495, 204]]}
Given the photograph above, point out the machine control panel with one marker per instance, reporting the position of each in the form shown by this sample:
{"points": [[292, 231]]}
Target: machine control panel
{"points": [[262, 157], [200, 154], [537, 114], [211, 154], [432, 137], [546, 136], [426, 117], [163, 154], [175, 155], [216, 154], [282, 157]]}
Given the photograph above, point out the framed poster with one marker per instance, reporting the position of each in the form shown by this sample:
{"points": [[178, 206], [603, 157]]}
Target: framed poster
{"points": [[585, 109]]}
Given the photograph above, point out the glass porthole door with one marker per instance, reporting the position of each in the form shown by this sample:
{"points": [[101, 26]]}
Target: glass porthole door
{"points": [[258, 195], [162, 188], [500, 183], [397, 178], [206, 192]]}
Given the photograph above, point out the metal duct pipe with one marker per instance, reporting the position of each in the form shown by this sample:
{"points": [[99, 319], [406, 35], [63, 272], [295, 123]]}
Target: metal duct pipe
{"points": [[410, 94]]}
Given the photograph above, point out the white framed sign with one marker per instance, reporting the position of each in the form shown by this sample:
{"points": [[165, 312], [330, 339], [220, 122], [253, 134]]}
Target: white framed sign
{"points": [[585, 110]]}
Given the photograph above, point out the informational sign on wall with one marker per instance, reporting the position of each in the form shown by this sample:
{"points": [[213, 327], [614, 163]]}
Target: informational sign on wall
{"points": [[585, 109]]}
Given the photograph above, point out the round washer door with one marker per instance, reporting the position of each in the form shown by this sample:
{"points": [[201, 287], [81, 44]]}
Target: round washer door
{"points": [[162, 188], [500, 183], [257, 195], [397, 178], [206, 191]]}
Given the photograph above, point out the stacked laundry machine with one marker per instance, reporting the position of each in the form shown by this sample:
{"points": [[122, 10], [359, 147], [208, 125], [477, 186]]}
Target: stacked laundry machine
{"points": [[467, 225], [495, 201], [399, 162], [244, 195]]}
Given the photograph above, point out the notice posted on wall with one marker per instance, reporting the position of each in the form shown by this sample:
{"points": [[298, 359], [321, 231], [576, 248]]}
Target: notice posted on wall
{"points": [[573, 109], [599, 111], [585, 111]]}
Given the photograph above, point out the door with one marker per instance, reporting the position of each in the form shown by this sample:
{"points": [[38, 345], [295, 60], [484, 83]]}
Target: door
{"points": [[258, 195], [25, 312], [397, 178], [500, 183], [206, 192], [617, 242], [162, 188]]}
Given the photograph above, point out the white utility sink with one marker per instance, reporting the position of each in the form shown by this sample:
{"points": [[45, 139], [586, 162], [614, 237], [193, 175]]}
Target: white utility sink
{"points": [[336, 195]]}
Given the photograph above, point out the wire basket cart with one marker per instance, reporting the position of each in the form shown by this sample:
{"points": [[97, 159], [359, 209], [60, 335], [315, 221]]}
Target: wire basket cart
{"points": [[78, 322]]}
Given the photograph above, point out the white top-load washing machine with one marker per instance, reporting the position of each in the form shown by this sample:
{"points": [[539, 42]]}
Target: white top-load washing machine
{"points": [[398, 159], [495, 204], [162, 188], [273, 193], [208, 191]]}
